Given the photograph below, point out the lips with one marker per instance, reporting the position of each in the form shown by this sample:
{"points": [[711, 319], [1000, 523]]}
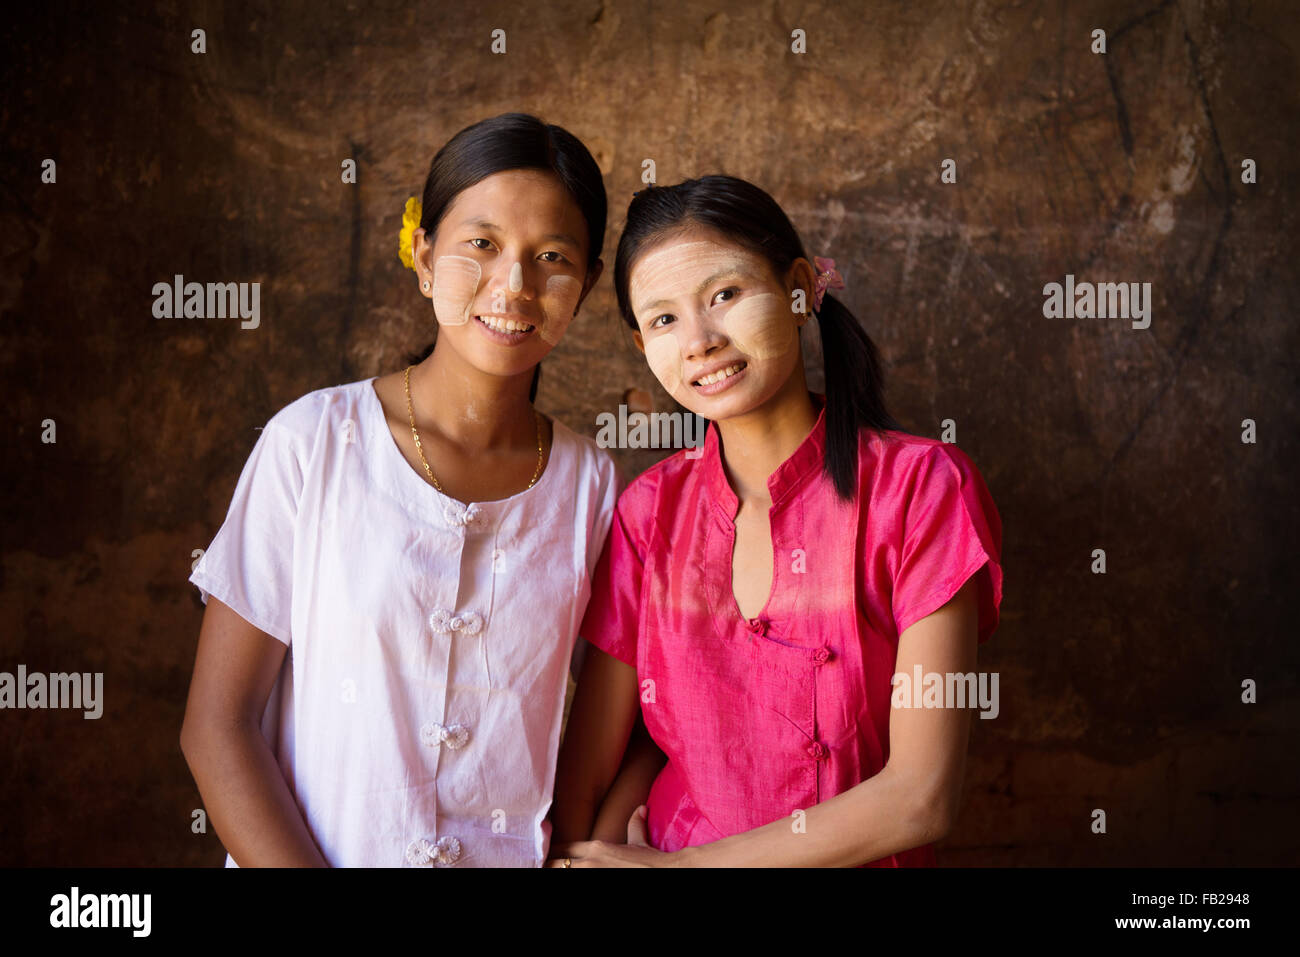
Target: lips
{"points": [[719, 372], [506, 325]]}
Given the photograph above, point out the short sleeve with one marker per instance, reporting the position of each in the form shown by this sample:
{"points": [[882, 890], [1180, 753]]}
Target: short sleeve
{"points": [[951, 531], [249, 565], [611, 486], [613, 614]]}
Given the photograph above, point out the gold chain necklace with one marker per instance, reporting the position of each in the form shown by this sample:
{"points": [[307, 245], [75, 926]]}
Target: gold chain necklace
{"points": [[410, 410]]}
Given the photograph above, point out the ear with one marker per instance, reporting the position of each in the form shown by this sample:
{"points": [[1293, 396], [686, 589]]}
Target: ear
{"points": [[802, 275], [422, 256], [639, 340]]}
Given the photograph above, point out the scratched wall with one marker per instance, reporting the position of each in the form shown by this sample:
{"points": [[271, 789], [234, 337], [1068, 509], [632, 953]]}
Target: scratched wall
{"points": [[1119, 691]]}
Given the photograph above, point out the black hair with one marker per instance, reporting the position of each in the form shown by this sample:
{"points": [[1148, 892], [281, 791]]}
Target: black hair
{"points": [[515, 141], [749, 216]]}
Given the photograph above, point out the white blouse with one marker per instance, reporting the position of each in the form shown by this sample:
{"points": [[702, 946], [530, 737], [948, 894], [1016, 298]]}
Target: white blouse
{"points": [[417, 715]]}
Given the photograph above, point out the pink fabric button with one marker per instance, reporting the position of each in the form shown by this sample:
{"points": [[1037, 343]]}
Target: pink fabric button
{"points": [[821, 655], [816, 750]]}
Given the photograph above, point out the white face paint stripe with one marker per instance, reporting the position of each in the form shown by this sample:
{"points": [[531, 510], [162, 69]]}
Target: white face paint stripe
{"points": [[672, 273], [455, 284], [664, 356], [516, 278], [761, 326], [558, 305]]}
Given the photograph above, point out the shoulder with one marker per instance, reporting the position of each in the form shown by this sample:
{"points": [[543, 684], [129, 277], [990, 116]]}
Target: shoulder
{"points": [[299, 427], [592, 465], [304, 415], [901, 463], [657, 491], [920, 482]]}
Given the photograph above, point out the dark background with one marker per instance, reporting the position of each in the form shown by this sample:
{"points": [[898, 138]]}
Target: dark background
{"points": [[1119, 691]]}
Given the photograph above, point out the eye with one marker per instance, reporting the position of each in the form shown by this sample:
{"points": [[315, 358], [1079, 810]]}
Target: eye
{"points": [[551, 252], [655, 324], [724, 292], [480, 239]]}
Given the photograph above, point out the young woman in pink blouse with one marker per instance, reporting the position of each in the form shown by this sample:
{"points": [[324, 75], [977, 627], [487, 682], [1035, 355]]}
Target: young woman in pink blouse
{"points": [[756, 601]]}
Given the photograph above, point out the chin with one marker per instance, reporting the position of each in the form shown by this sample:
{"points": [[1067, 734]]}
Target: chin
{"points": [[729, 405], [506, 370], [492, 362]]}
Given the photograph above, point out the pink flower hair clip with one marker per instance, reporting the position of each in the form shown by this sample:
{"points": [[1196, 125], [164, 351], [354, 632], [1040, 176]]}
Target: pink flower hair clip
{"points": [[827, 278]]}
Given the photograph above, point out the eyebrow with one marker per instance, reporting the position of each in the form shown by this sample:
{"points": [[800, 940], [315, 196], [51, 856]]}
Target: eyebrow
{"points": [[740, 273], [484, 224]]}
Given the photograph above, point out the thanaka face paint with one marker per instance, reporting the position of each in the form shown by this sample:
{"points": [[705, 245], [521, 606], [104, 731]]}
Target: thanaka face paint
{"points": [[671, 272], [558, 306], [761, 325], [664, 357], [456, 281], [455, 284]]}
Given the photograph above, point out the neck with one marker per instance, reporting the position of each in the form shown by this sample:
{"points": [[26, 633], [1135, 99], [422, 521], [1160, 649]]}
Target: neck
{"points": [[470, 407], [754, 445]]}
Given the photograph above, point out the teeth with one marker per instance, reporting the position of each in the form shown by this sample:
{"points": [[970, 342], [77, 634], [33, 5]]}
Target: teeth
{"points": [[720, 375], [504, 325]]}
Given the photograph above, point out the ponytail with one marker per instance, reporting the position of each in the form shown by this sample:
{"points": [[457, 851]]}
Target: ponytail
{"points": [[854, 392]]}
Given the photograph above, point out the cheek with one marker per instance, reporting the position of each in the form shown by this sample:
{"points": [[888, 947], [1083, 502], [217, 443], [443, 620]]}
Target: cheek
{"points": [[761, 326], [665, 361], [455, 284], [561, 299]]}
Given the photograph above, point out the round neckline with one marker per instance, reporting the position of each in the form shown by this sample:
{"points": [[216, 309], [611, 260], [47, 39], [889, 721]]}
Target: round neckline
{"points": [[398, 460]]}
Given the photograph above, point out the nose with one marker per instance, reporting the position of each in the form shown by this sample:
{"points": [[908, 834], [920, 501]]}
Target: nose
{"points": [[512, 281], [702, 338]]}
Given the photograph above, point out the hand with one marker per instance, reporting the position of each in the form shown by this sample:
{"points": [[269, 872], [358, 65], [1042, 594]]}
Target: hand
{"points": [[637, 852]]}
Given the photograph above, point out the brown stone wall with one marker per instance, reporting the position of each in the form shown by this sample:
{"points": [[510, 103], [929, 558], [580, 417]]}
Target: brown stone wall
{"points": [[1119, 691]]}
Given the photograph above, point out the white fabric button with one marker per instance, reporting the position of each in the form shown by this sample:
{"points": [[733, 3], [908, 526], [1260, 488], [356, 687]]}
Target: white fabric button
{"points": [[452, 735], [469, 517], [443, 852], [444, 622]]}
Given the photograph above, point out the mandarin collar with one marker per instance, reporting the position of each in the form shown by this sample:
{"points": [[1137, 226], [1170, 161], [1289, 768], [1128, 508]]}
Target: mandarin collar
{"points": [[789, 475]]}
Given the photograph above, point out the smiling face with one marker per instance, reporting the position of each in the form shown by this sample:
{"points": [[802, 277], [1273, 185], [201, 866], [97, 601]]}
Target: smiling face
{"points": [[715, 324], [507, 269]]}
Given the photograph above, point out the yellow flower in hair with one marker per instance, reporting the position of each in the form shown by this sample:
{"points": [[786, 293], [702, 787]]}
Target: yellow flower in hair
{"points": [[410, 223]]}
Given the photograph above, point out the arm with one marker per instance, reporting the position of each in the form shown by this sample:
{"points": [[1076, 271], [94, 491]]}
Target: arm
{"points": [[641, 765], [603, 713], [243, 789], [911, 802]]}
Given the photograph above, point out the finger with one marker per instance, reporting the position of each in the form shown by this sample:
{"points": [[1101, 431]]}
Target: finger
{"points": [[637, 832]]}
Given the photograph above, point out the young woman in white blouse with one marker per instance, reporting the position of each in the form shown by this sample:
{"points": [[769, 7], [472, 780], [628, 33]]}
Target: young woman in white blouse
{"points": [[394, 596]]}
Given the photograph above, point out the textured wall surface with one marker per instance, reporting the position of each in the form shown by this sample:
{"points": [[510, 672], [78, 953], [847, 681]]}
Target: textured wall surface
{"points": [[1120, 691]]}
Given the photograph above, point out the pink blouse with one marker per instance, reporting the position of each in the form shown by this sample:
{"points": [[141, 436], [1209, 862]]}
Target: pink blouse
{"points": [[761, 717]]}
